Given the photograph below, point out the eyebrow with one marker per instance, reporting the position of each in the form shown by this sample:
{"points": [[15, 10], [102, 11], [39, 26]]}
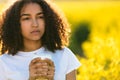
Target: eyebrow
{"points": [[25, 14]]}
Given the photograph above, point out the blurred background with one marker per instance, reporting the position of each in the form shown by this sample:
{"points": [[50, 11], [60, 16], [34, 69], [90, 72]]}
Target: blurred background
{"points": [[95, 37]]}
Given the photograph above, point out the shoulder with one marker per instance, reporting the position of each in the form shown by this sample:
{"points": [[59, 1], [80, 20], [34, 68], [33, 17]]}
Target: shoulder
{"points": [[2, 69], [67, 51], [4, 57], [64, 50], [71, 60]]}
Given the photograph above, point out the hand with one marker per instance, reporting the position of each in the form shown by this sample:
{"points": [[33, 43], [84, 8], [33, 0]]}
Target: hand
{"points": [[39, 69], [51, 69]]}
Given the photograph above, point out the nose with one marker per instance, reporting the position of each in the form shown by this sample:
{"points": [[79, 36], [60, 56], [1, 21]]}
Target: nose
{"points": [[34, 23]]}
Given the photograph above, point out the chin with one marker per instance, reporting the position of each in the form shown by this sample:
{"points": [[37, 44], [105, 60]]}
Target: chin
{"points": [[35, 38]]}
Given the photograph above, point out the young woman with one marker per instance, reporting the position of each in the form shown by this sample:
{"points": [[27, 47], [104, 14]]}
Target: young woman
{"points": [[33, 39]]}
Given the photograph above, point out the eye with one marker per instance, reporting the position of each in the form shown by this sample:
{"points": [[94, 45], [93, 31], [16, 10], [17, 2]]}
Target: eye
{"points": [[40, 17], [25, 18]]}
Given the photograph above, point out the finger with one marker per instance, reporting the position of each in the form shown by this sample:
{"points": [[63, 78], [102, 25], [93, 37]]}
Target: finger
{"points": [[39, 71], [41, 65], [50, 77], [36, 59], [32, 67], [38, 74], [50, 62], [44, 63], [41, 75], [51, 68], [50, 73], [42, 70], [32, 78], [45, 67], [48, 68], [38, 64], [33, 74]]}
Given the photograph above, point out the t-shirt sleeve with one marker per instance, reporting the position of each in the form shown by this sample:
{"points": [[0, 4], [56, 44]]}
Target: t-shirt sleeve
{"points": [[2, 72], [73, 62]]}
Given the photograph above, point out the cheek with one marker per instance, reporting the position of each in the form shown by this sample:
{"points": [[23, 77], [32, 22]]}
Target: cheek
{"points": [[42, 26], [25, 23], [25, 27]]}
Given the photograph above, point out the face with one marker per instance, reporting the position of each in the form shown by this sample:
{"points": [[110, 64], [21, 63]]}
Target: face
{"points": [[32, 22]]}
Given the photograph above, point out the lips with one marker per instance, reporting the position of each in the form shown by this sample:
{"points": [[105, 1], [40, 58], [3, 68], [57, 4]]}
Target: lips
{"points": [[35, 32]]}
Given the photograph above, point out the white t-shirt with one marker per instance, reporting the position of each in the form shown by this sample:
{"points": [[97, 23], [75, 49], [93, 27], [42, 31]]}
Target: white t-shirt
{"points": [[17, 67]]}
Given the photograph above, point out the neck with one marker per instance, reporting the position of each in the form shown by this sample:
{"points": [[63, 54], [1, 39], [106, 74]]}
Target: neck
{"points": [[31, 45]]}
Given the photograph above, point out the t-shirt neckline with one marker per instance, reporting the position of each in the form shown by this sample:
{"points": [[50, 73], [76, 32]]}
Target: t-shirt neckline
{"points": [[22, 53]]}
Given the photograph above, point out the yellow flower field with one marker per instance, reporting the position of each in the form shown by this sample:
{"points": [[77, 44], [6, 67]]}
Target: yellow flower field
{"points": [[103, 47]]}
